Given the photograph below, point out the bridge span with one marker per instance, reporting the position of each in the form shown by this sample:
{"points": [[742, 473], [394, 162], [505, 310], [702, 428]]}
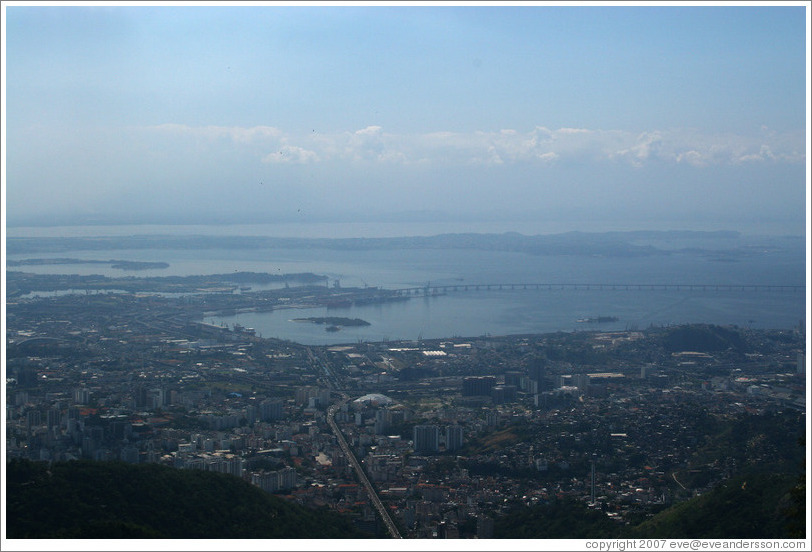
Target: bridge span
{"points": [[432, 289]]}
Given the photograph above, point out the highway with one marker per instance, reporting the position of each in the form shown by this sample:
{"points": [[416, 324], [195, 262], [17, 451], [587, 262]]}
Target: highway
{"points": [[335, 384], [373, 496]]}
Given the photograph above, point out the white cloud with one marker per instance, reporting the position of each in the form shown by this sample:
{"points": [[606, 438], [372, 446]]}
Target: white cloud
{"points": [[765, 153], [692, 157], [369, 131], [648, 145], [291, 154], [372, 144], [493, 157]]}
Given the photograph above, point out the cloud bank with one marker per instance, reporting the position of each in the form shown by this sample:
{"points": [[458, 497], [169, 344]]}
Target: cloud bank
{"points": [[540, 145]]}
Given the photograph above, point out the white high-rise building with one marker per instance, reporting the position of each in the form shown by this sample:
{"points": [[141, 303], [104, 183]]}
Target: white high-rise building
{"points": [[267, 481]]}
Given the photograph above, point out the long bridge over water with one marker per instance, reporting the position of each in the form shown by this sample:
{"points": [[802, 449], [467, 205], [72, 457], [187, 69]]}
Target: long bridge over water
{"points": [[432, 289]]}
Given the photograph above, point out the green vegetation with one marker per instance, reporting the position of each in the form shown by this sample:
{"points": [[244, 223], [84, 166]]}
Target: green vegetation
{"points": [[752, 443], [560, 519], [84, 499], [494, 441], [745, 507], [765, 499]]}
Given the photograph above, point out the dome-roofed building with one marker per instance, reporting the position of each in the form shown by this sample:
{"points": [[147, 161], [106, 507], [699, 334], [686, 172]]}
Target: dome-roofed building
{"points": [[374, 399]]}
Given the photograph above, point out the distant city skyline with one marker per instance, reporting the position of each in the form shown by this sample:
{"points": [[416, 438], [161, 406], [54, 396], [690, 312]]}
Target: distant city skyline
{"points": [[269, 113]]}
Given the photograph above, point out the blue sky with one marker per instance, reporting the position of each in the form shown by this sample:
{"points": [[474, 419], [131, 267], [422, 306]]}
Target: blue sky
{"points": [[641, 113]]}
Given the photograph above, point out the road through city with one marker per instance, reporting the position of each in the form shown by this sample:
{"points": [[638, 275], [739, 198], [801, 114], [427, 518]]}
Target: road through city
{"points": [[373, 495]]}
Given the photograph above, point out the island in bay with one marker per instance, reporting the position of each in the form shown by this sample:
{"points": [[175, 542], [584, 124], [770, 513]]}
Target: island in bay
{"points": [[334, 323]]}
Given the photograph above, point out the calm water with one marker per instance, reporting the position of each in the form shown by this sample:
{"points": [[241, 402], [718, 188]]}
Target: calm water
{"points": [[468, 314], [518, 312]]}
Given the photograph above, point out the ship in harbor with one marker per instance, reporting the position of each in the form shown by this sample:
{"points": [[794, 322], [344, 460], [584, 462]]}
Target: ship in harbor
{"points": [[238, 328], [597, 319]]}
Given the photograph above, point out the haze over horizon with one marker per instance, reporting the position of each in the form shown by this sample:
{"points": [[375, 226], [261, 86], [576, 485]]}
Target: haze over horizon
{"points": [[120, 114]]}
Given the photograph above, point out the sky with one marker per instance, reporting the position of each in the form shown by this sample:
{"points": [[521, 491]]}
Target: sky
{"points": [[133, 113]]}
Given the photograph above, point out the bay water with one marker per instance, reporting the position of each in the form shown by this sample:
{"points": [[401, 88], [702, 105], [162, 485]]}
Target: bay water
{"points": [[489, 312]]}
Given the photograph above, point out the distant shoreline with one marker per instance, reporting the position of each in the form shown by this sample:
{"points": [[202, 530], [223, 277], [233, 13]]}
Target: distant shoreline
{"points": [[123, 265], [630, 244], [423, 223]]}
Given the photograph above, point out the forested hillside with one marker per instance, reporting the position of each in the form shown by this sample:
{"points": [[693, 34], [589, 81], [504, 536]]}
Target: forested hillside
{"points": [[756, 507], [83, 499]]}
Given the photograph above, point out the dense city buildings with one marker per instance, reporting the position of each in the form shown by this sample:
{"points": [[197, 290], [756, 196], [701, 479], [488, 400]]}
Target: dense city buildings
{"points": [[429, 438]]}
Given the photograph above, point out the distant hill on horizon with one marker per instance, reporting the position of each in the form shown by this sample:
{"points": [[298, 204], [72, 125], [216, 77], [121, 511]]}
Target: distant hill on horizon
{"points": [[607, 244]]}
